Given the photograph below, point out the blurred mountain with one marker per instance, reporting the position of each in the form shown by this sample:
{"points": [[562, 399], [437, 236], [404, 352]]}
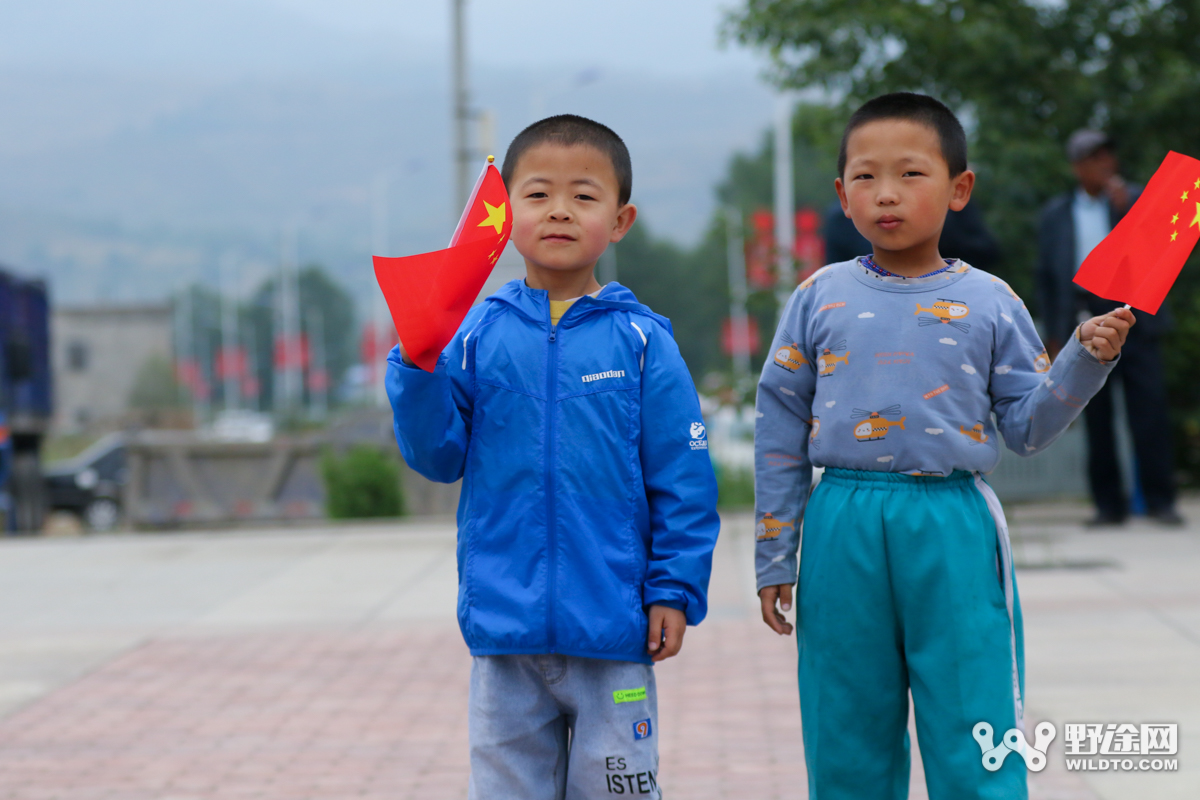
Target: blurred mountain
{"points": [[144, 140]]}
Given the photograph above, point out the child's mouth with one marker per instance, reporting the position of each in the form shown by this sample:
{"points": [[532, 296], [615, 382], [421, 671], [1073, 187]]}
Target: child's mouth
{"points": [[557, 238], [888, 223]]}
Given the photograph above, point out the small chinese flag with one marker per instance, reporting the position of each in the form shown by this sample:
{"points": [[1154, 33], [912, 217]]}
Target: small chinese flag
{"points": [[1139, 261], [430, 294]]}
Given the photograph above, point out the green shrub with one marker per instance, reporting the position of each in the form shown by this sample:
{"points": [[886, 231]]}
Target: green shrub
{"points": [[362, 483], [735, 488]]}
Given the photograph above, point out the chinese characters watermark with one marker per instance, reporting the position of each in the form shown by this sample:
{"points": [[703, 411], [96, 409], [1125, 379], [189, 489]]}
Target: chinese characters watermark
{"points": [[1119, 742]]}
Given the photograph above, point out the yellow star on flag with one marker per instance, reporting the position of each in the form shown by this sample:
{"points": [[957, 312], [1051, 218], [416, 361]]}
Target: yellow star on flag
{"points": [[1174, 219], [497, 216], [1173, 235], [1196, 185], [1182, 197], [1195, 219]]}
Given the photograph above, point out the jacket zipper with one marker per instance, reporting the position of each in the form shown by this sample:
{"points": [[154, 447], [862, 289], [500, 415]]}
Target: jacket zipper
{"points": [[551, 532]]}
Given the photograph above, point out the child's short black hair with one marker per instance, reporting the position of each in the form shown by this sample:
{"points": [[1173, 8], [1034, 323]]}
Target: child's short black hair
{"points": [[569, 130], [919, 108]]}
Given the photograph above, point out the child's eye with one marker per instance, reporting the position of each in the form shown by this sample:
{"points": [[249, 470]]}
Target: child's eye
{"points": [[866, 176], [537, 195], [584, 197], [913, 172]]}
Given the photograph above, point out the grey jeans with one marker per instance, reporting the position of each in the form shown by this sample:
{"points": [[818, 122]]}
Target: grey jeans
{"points": [[551, 727]]}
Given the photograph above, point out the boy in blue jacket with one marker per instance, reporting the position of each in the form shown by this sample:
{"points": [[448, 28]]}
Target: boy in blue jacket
{"points": [[896, 372], [588, 512]]}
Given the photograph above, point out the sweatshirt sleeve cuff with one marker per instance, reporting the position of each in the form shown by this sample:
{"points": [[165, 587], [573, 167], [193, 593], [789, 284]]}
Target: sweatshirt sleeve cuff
{"points": [[782, 573], [1086, 355]]}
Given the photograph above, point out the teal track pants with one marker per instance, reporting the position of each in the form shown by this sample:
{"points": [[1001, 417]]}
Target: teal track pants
{"points": [[906, 583]]}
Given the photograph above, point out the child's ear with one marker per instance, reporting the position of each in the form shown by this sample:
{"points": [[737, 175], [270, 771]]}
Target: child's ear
{"points": [[625, 217], [840, 188], [961, 193]]}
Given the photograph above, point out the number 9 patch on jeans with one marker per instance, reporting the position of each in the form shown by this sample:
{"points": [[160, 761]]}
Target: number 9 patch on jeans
{"points": [[641, 729]]}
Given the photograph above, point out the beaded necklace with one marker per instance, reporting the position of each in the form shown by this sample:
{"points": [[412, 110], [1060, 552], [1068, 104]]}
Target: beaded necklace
{"points": [[870, 264]]}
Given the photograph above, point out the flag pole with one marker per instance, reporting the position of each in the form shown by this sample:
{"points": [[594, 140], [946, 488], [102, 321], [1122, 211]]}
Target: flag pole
{"points": [[462, 221]]}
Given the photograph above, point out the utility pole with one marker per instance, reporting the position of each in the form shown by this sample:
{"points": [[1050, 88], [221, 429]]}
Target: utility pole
{"points": [[230, 353], [462, 102], [202, 348], [380, 320], [287, 373], [785, 202], [191, 350], [739, 322], [318, 382], [277, 349]]}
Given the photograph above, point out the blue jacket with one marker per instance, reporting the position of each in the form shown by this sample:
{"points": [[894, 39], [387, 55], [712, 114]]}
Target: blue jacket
{"points": [[588, 493]]}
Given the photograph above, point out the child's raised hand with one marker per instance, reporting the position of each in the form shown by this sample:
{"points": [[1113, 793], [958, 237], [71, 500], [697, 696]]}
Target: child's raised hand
{"points": [[665, 636], [1103, 336], [772, 615]]}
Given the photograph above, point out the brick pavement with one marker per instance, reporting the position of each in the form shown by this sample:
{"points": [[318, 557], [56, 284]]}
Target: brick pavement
{"points": [[376, 713], [368, 714], [326, 665]]}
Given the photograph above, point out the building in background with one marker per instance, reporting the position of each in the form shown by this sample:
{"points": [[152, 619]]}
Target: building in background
{"points": [[111, 365]]}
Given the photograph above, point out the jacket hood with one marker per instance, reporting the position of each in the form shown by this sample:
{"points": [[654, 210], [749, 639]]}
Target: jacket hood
{"points": [[534, 303]]}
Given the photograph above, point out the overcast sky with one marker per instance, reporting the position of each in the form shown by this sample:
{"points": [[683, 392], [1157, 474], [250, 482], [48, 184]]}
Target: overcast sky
{"points": [[665, 37], [140, 137]]}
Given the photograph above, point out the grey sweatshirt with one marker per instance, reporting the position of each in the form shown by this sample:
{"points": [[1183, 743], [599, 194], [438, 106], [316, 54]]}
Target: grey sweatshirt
{"points": [[909, 375]]}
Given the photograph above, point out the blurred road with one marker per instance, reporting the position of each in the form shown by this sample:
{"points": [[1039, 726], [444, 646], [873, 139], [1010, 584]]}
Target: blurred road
{"points": [[326, 663]]}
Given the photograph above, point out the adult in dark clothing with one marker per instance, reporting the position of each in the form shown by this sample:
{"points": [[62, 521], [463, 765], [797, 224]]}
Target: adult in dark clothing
{"points": [[1071, 225], [964, 236]]}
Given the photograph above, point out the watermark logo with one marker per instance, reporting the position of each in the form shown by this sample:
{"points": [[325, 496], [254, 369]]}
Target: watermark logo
{"points": [[1014, 742], [1120, 741]]}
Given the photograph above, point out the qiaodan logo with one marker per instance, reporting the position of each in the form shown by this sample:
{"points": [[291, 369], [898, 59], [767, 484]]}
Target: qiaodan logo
{"points": [[1014, 742], [698, 442]]}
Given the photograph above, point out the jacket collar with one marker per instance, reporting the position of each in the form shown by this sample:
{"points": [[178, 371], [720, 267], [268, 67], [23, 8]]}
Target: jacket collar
{"points": [[534, 304]]}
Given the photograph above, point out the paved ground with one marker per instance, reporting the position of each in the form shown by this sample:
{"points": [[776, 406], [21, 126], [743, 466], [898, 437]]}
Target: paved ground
{"points": [[325, 664]]}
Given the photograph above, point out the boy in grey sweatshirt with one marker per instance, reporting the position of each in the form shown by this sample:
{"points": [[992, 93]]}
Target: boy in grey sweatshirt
{"points": [[888, 371]]}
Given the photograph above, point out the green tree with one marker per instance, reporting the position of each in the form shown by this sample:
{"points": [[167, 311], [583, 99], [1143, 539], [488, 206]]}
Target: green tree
{"points": [[363, 483], [317, 290], [155, 387], [686, 286], [691, 286], [1023, 74]]}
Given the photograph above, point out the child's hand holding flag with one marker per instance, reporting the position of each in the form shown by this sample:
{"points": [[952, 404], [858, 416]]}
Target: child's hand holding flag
{"points": [[1104, 336], [430, 294], [1139, 261]]}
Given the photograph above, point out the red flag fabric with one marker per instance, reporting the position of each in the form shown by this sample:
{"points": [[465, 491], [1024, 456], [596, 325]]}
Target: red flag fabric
{"points": [[1139, 261], [430, 294]]}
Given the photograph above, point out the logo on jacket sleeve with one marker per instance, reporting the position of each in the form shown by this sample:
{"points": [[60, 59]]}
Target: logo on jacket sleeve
{"points": [[699, 441]]}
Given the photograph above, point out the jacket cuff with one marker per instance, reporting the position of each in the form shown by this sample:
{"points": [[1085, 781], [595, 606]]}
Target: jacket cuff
{"points": [[675, 604]]}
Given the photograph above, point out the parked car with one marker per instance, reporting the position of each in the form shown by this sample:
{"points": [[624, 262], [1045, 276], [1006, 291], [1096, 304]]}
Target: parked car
{"points": [[90, 484]]}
